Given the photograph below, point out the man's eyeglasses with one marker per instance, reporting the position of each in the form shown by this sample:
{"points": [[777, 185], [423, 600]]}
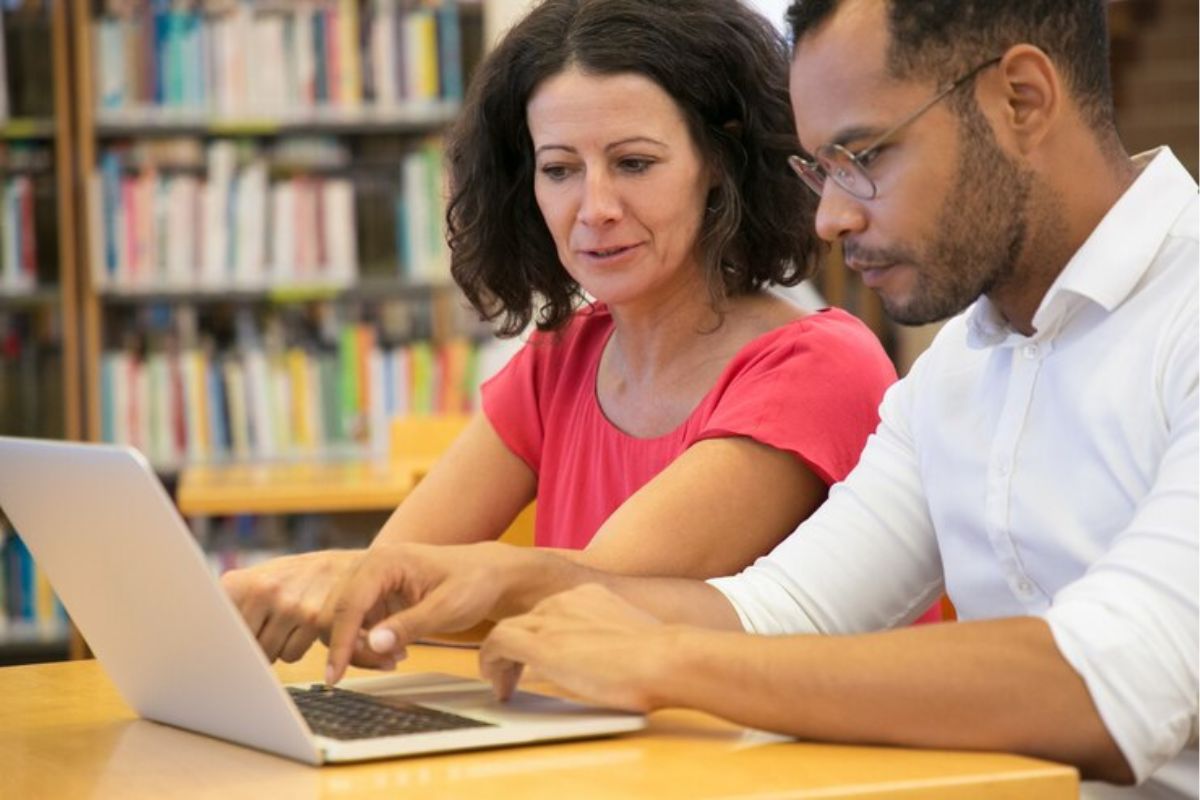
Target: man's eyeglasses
{"points": [[849, 170]]}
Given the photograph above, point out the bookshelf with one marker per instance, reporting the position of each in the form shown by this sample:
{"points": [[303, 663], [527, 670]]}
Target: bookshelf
{"points": [[265, 279], [39, 353]]}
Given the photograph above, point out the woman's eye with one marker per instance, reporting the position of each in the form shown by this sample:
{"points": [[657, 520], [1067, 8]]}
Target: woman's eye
{"points": [[635, 165], [555, 172]]}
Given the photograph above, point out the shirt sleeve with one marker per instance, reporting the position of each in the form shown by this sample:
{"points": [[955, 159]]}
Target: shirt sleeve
{"points": [[511, 401], [1129, 625], [867, 559], [814, 393]]}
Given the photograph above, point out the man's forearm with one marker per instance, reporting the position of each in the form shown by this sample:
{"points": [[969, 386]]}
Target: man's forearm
{"points": [[530, 575], [997, 685]]}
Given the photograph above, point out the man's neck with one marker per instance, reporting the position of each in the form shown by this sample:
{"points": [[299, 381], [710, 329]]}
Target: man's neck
{"points": [[1063, 215]]}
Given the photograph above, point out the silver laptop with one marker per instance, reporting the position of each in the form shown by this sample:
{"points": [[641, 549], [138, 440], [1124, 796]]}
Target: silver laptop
{"points": [[134, 580]]}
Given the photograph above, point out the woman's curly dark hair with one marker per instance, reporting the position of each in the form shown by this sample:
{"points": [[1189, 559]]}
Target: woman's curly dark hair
{"points": [[726, 68]]}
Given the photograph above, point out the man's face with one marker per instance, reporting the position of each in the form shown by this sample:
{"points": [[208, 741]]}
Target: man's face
{"points": [[949, 218]]}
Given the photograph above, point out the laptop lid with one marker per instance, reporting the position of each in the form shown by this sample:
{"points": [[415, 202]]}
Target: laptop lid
{"points": [[132, 577], [125, 566]]}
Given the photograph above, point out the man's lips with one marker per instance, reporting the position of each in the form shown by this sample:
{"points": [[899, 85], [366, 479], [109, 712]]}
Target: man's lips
{"points": [[872, 274]]}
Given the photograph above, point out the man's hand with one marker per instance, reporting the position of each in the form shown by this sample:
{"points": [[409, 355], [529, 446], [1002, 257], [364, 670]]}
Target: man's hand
{"points": [[282, 599], [588, 641]]}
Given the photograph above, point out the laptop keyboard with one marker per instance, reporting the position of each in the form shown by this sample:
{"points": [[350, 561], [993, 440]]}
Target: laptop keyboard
{"points": [[342, 714]]}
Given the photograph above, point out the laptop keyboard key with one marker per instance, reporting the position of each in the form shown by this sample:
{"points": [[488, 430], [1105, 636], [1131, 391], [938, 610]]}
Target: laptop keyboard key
{"points": [[343, 714]]}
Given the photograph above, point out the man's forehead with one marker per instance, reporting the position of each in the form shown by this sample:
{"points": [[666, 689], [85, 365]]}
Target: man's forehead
{"points": [[839, 73]]}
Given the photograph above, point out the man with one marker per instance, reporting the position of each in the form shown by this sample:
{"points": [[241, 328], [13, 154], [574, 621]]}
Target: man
{"points": [[1040, 463]]}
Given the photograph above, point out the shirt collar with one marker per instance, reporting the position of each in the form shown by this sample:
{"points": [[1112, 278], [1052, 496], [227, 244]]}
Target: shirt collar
{"points": [[1114, 257]]}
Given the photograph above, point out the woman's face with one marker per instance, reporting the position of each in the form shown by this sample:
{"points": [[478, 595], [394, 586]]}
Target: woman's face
{"points": [[620, 184]]}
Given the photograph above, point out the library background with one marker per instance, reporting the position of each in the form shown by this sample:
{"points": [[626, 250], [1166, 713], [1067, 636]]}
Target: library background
{"points": [[221, 242]]}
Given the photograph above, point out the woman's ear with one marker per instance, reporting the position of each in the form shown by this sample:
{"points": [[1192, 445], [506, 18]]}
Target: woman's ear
{"points": [[1029, 95]]}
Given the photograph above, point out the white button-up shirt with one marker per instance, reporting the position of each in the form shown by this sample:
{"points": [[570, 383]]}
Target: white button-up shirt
{"points": [[1054, 475]]}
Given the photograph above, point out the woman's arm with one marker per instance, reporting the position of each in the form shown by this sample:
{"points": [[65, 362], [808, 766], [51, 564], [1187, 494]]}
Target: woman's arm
{"points": [[471, 494], [712, 511]]}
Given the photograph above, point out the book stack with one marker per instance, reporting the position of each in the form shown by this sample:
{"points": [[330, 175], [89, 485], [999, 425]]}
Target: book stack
{"points": [[18, 234], [261, 400], [242, 540], [25, 55], [183, 214], [246, 59], [218, 222], [420, 215], [31, 375], [28, 600]]}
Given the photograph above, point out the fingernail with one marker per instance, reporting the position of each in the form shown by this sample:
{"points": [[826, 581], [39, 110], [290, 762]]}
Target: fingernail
{"points": [[329, 674], [381, 640]]}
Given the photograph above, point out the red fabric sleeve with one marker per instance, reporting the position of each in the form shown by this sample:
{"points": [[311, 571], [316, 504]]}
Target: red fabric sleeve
{"points": [[510, 402], [813, 390], [542, 379]]}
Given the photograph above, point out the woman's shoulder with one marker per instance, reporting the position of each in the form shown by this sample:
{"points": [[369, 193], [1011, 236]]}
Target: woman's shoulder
{"points": [[837, 325], [569, 354], [826, 339]]}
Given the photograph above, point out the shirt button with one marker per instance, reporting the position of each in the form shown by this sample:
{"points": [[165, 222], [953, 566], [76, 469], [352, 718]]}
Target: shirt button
{"points": [[1030, 351], [1002, 466], [1024, 587]]}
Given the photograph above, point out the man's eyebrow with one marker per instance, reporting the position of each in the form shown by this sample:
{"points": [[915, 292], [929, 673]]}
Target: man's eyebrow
{"points": [[854, 134], [612, 145]]}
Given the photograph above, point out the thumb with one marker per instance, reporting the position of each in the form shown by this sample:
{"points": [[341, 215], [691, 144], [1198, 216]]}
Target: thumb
{"points": [[446, 609]]}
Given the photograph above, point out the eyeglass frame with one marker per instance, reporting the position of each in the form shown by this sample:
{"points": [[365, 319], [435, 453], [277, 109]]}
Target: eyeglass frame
{"points": [[812, 171]]}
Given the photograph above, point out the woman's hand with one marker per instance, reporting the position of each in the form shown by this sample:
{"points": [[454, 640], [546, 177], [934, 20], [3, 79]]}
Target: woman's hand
{"points": [[400, 592], [282, 600]]}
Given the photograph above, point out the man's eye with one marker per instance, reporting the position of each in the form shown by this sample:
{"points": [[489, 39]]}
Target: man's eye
{"points": [[867, 156]]}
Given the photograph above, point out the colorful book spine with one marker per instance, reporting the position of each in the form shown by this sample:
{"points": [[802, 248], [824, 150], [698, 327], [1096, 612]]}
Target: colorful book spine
{"points": [[25, 590], [246, 58], [262, 403]]}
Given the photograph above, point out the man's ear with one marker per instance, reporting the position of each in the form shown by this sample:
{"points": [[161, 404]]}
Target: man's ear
{"points": [[1030, 94]]}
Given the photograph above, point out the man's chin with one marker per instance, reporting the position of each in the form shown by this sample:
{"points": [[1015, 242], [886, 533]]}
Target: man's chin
{"points": [[915, 314]]}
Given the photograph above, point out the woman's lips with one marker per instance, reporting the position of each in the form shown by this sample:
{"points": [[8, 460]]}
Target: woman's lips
{"points": [[605, 253]]}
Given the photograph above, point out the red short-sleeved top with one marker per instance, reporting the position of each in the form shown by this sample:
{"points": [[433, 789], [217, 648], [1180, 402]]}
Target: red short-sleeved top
{"points": [[811, 387]]}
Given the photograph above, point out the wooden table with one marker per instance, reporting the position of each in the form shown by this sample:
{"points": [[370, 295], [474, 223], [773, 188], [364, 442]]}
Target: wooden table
{"points": [[65, 733]]}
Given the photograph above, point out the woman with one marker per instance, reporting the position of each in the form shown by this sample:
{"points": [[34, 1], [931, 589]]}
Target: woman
{"points": [[620, 177]]}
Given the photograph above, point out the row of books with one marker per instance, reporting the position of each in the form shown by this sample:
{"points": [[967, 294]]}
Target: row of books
{"points": [[232, 542], [235, 222], [250, 58], [193, 405], [25, 75], [31, 374], [27, 597], [19, 213]]}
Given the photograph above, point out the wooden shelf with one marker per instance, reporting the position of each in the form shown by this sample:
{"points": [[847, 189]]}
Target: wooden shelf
{"points": [[282, 293], [27, 128], [29, 298], [315, 487], [154, 121]]}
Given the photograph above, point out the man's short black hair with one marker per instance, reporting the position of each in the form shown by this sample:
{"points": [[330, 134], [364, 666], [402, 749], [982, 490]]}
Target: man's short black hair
{"points": [[943, 39]]}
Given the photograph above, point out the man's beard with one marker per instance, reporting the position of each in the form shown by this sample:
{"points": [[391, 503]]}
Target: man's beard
{"points": [[982, 226]]}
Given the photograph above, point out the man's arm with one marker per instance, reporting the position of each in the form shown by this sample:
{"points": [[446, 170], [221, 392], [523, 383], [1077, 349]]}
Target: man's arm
{"points": [[995, 685], [1107, 681]]}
